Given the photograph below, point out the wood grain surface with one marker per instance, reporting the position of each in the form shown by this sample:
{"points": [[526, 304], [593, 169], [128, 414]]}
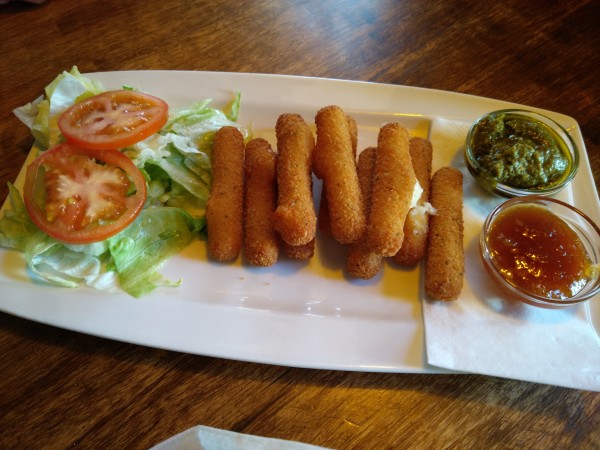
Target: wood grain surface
{"points": [[62, 389]]}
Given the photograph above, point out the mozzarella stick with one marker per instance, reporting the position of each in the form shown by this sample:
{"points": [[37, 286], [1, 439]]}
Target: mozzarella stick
{"points": [[361, 261], [295, 218], [445, 260], [393, 185], [414, 244], [300, 252], [261, 241], [353, 129], [335, 164], [225, 206], [323, 220]]}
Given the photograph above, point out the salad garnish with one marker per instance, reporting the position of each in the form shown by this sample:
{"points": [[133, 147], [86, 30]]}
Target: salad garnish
{"points": [[152, 205]]}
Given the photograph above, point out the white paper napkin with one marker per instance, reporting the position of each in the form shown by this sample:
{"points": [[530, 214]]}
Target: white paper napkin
{"points": [[207, 438], [481, 332]]}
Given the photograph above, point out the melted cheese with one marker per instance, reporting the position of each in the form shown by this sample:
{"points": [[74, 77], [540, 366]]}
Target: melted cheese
{"points": [[419, 211]]}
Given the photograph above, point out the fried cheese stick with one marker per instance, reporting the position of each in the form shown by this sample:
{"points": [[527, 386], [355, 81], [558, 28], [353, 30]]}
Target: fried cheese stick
{"points": [[335, 164], [295, 218], [445, 260], [261, 241], [393, 185], [361, 261], [300, 252], [414, 244], [323, 220], [353, 129], [225, 206]]}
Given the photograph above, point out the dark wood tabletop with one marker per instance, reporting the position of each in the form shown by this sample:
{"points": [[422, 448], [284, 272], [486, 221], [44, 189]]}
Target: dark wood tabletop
{"points": [[63, 389]]}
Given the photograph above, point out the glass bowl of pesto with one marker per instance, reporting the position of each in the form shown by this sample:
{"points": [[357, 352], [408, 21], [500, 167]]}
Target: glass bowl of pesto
{"points": [[513, 152], [542, 251]]}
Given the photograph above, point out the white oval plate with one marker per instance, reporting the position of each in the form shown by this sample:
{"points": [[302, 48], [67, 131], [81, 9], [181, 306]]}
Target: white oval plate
{"points": [[292, 314]]}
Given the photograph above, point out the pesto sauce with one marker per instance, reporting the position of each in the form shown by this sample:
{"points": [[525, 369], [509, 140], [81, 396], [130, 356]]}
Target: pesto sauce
{"points": [[519, 151]]}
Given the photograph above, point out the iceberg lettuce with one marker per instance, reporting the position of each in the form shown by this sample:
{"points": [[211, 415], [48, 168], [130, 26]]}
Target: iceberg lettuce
{"points": [[177, 165], [130, 260], [179, 156], [49, 259], [42, 114], [139, 251]]}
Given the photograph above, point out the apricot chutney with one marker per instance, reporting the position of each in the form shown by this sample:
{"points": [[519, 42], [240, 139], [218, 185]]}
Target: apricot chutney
{"points": [[537, 251], [519, 151]]}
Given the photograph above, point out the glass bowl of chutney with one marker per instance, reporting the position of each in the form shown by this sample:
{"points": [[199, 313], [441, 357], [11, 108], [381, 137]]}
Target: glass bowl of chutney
{"points": [[542, 251], [514, 152]]}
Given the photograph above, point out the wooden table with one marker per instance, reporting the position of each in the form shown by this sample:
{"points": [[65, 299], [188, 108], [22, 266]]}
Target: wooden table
{"points": [[62, 389]]}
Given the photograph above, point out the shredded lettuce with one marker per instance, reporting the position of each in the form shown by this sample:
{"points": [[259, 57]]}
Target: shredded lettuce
{"points": [[42, 114], [46, 258], [177, 160], [16, 227], [129, 260], [53, 261], [177, 165], [140, 250]]}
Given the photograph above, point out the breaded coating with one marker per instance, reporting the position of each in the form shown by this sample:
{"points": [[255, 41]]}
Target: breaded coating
{"points": [[353, 129], [225, 206], [323, 220], [300, 252], [445, 261], [295, 218], [393, 185], [261, 241], [335, 164], [414, 244], [361, 261]]}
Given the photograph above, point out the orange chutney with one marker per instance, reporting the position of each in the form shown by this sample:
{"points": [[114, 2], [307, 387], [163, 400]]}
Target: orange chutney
{"points": [[537, 251]]}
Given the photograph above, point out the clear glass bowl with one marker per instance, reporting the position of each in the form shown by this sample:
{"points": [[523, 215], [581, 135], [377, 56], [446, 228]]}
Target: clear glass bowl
{"points": [[585, 229], [487, 180]]}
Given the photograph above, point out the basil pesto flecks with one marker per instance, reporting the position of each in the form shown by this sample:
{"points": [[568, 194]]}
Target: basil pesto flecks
{"points": [[519, 151]]}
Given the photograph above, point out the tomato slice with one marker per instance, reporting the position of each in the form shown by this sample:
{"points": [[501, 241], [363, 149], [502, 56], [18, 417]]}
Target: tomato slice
{"points": [[113, 119], [79, 195]]}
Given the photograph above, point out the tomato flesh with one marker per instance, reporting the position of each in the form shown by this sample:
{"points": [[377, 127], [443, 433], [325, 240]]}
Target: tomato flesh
{"points": [[79, 192], [113, 119], [80, 195]]}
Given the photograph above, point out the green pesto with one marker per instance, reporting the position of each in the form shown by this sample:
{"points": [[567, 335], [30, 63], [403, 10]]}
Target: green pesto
{"points": [[519, 151]]}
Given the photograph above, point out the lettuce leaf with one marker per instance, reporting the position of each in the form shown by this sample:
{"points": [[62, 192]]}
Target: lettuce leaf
{"points": [[139, 251], [177, 165], [179, 156], [49, 259], [42, 114], [67, 266], [129, 260], [16, 227]]}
